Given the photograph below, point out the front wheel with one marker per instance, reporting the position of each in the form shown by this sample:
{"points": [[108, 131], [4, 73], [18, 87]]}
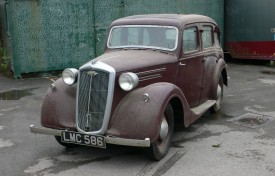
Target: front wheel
{"points": [[160, 147], [218, 103]]}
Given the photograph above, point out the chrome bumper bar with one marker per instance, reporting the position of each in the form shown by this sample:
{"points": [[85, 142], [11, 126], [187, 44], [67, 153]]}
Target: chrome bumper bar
{"points": [[109, 139]]}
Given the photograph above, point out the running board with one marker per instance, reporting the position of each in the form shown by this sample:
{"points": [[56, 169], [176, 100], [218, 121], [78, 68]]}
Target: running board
{"points": [[199, 110]]}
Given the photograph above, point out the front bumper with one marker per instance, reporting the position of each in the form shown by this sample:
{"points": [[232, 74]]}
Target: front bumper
{"points": [[109, 139]]}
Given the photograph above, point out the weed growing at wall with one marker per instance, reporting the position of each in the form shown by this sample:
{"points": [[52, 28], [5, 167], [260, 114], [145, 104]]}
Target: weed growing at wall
{"points": [[4, 60]]}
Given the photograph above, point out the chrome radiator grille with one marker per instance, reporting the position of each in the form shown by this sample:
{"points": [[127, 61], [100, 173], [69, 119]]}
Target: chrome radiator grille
{"points": [[92, 99]]}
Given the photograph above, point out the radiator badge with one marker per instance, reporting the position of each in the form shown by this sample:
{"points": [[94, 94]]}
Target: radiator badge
{"points": [[92, 73]]}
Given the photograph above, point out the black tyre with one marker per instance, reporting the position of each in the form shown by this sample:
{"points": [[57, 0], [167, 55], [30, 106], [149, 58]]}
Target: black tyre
{"points": [[68, 145], [219, 100], [160, 147]]}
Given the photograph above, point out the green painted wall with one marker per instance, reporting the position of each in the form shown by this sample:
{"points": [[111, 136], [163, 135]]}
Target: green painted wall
{"points": [[56, 34]]}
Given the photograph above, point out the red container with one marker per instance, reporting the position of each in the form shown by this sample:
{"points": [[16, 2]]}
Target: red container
{"points": [[250, 29]]}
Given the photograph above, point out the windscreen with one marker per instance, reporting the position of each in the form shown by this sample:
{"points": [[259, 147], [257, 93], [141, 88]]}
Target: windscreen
{"points": [[143, 36]]}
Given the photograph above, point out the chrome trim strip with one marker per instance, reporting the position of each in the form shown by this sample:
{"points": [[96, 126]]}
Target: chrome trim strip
{"points": [[100, 66], [109, 58], [151, 71], [128, 142], [46, 131], [144, 78], [109, 139]]}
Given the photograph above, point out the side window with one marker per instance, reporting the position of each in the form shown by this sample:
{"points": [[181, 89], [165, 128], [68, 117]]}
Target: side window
{"points": [[217, 40], [207, 39], [190, 40]]}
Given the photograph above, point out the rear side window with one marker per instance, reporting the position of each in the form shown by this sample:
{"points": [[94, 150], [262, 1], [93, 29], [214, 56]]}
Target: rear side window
{"points": [[207, 39], [190, 40]]}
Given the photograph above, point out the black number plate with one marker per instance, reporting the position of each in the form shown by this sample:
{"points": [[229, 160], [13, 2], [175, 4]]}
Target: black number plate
{"points": [[83, 139]]}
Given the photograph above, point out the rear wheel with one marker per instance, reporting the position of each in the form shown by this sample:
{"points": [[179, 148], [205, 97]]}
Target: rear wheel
{"points": [[217, 106], [58, 139], [160, 147]]}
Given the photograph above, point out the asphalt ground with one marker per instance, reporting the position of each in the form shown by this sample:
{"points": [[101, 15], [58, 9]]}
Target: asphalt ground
{"points": [[239, 140]]}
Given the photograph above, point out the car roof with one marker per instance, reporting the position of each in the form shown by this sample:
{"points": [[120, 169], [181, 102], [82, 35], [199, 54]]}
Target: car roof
{"points": [[163, 19]]}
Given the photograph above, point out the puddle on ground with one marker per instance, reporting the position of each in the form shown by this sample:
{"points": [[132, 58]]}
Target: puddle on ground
{"points": [[15, 94], [251, 120], [268, 72]]}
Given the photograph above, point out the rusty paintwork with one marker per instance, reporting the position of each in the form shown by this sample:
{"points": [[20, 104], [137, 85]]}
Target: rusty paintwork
{"points": [[58, 107], [176, 82]]}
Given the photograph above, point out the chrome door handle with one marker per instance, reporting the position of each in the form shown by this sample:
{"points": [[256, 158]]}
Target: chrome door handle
{"points": [[181, 64]]}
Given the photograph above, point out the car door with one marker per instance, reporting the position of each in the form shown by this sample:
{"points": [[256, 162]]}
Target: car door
{"points": [[210, 59], [190, 66]]}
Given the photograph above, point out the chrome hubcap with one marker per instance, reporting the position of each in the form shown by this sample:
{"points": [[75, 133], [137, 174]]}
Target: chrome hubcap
{"points": [[164, 129]]}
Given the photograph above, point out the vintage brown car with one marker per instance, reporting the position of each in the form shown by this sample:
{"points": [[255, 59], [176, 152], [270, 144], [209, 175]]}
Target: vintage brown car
{"points": [[158, 72]]}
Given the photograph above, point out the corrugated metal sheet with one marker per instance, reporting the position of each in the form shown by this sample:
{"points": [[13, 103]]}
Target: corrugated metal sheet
{"points": [[56, 34]]}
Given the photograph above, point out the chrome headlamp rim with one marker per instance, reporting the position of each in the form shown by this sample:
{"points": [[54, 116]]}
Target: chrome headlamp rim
{"points": [[128, 81], [69, 76]]}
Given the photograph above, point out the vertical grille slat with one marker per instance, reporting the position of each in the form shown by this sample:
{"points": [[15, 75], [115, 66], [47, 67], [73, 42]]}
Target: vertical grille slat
{"points": [[92, 99]]}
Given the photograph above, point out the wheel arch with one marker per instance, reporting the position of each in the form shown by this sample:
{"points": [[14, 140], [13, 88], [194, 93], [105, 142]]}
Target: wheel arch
{"points": [[178, 110], [220, 70], [224, 76], [59, 106], [133, 115]]}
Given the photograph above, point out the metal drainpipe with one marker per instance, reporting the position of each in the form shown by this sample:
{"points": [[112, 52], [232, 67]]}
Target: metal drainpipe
{"points": [[122, 8], [6, 17]]}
